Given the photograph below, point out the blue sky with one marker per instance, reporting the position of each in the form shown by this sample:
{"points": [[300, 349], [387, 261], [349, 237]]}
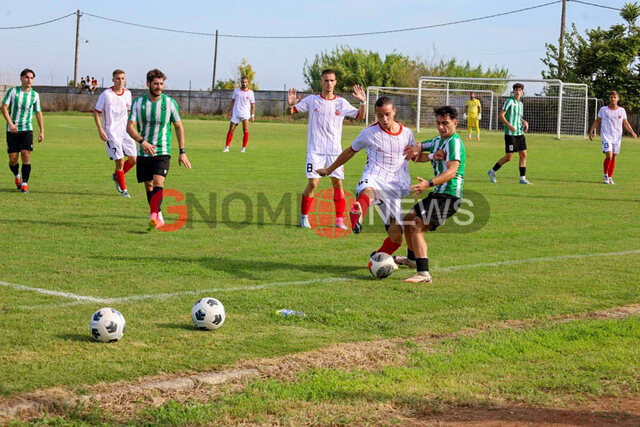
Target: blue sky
{"points": [[515, 42]]}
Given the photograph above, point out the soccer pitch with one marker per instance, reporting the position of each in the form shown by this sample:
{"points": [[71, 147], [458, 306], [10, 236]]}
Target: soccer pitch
{"points": [[562, 248]]}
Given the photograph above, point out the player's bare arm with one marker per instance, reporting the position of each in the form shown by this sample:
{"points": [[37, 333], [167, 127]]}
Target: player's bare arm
{"points": [[101, 132], [133, 133], [230, 112], [292, 99], [183, 160], [525, 124], [504, 121], [629, 129], [592, 131], [412, 152], [5, 112], [359, 94], [253, 112], [343, 158], [426, 157], [447, 175], [40, 120]]}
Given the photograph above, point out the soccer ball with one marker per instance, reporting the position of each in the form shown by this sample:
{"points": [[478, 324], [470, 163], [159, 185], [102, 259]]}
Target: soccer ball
{"points": [[107, 325], [208, 314], [381, 265]]}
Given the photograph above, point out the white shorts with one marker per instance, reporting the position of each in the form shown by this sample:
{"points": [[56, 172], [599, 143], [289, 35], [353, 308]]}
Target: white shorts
{"points": [[117, 149], [237, 119], [607, 146], [388, 197], [320, 161]]}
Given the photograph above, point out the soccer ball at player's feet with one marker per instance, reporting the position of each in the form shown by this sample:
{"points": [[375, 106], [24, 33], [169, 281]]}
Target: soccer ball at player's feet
{"points": [[107, 325], [381, 265], [208, 314]]}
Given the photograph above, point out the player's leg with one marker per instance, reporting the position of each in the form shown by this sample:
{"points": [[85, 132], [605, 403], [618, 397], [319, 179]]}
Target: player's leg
{"points": [[307, 200], [469, 126], [118, 176], [415, 238], [14, 166], [232, 128], [612, 164], [522, 161], [360, 207], [509, 149], [245, 134], [394, 238], [339, 202], [608, 157], [129, 164], [25, 157], [155, 203], [477, 125], [410, 259]]}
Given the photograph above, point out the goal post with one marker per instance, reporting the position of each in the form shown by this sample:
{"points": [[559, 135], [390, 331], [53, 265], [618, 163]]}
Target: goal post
{"points": [[550, 105]]}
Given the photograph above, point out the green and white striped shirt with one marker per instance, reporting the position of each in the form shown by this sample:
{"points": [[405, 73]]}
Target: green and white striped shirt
{"points": [[513, 114], [153, 120], [454, 149], [21, 105]]}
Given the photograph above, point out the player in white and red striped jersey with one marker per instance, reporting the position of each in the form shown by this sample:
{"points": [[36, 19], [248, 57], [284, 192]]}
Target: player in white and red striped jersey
{"points": [[242, 109], [385, 178], [324, 139], [114, 105]]}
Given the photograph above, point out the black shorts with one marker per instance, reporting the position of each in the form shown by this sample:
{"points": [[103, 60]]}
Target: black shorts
{"points": [[147, 167], [514, 143], [16, 142], [436, 208]]}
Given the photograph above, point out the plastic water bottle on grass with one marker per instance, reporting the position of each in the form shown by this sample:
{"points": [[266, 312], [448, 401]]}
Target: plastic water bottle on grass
{"points": [[285, 312]]}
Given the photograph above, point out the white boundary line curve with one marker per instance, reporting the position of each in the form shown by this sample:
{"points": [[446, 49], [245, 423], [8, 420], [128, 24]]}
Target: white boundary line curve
{"points": [[85, 299]]}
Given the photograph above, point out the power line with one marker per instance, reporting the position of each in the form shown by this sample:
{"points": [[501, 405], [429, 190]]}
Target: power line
{"points": [[595, 4], [38, 24], [319, 36]]}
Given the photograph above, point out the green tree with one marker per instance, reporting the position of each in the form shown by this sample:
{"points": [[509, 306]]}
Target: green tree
{"points": [[366, 68], [604, 59], [244, 69]]}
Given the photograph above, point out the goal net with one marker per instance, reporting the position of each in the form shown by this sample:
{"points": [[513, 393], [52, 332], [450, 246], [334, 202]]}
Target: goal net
{"points": [[405, 99], [550, 106]]}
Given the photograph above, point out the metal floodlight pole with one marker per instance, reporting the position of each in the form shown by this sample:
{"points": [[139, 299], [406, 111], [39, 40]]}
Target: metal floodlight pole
{"points": [[215, 63]]}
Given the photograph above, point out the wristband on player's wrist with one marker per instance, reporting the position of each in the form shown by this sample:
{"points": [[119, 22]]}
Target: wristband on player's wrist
{"points": [[430, 183], [182, 151], [141, 140]]}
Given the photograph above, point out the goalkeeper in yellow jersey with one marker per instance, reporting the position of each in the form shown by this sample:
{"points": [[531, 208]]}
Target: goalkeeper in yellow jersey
{"points": [[473, 114]]}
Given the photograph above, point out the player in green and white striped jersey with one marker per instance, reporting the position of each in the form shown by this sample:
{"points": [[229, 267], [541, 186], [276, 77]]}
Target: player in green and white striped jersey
{"points": [[514, 128], [448, 160], [18, 106], [150, 124]]}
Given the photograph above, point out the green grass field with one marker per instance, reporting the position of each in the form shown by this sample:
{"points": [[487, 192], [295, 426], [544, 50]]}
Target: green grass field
{"points": [[574, 243]]}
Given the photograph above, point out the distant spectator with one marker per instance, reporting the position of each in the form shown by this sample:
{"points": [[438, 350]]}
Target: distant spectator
{"points": [[94, 84], [83, 85]]}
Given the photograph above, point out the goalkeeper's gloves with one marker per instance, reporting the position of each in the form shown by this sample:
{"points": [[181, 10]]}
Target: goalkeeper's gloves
{"points": [[465, 116], [479, 116]]}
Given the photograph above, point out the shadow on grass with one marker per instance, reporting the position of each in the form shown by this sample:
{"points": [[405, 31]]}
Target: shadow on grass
{"points": [[76, 337], [243, 268], [182, 326]]}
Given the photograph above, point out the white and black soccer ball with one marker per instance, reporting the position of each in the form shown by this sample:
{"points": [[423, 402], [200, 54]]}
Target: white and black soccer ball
{"points": [[208, 314], [381, 265], [107, 325]]}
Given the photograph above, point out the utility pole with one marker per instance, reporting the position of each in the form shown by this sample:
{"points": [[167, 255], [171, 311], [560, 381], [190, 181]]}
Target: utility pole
{"points": [[215, 62], [561, 41], [75, 64]]}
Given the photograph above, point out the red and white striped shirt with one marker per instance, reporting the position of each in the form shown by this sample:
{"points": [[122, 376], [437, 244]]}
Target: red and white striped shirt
{"points": [[385, 153], [325, 122]]}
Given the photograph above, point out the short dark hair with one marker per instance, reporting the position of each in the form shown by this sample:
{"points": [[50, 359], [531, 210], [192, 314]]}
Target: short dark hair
{"points": [[27, 70], [382, 101], [155, 74], [614, 92], [518, 86], [446, 110], [328, 71], [244, 77]]}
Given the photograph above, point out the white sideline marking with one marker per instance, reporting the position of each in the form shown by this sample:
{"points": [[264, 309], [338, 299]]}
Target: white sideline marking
{"points": [[81, 299], [50, 292]]}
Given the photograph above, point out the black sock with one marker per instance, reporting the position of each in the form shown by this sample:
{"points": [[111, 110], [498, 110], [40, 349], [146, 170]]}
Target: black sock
{"points": [[411, 255], [523, 170], [26, 171], [422, 264], [15, 169], [496, 167], [149, 196], [158, 197]]}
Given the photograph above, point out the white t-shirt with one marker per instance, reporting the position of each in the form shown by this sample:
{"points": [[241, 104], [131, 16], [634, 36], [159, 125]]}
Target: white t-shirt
{"points": [[325, 122], [242, 102], [385, 153], [115, 111], [611, 126]]}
